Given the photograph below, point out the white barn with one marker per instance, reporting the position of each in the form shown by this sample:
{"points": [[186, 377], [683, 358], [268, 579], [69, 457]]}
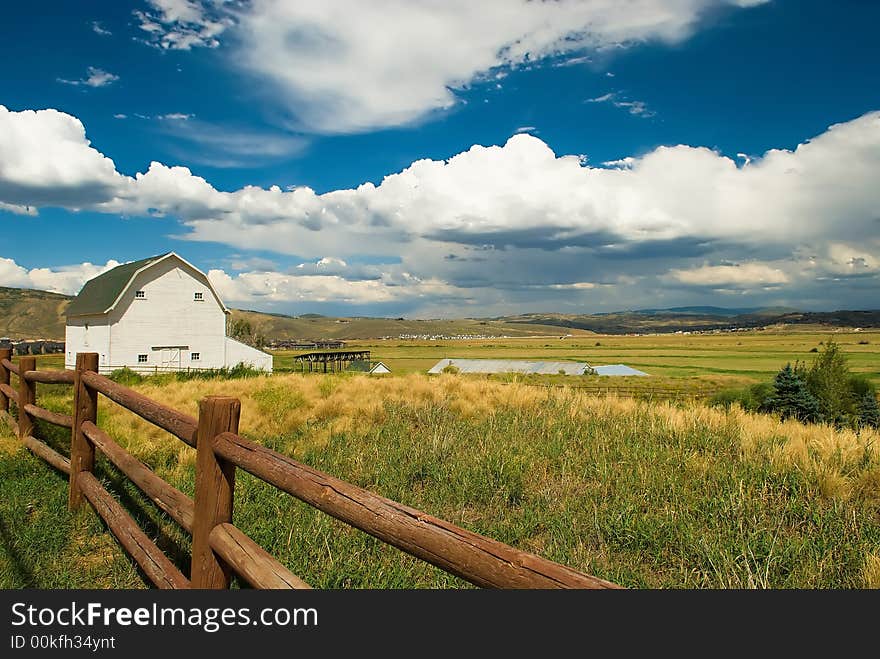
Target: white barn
{"points": [[156, 314]]}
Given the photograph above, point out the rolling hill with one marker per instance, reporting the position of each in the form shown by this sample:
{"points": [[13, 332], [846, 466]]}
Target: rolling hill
{"points": [[28, 314], [693, 320], [31, 314], [314, 326]]}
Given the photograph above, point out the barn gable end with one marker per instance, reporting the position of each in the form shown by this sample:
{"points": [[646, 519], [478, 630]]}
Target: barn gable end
{"points": [[152, 315]]}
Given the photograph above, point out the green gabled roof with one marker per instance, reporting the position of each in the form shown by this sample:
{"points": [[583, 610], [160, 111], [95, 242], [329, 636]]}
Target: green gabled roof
{"points": [[100, 293]]}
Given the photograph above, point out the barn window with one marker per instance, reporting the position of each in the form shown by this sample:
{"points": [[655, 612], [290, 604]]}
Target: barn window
{"points": [[142, 359], [197, 297], [140, 295], [195, 356]]}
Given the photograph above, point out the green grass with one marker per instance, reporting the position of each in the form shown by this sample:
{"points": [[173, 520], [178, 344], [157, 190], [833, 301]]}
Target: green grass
{"points": [[739, 358], [42, 545], [647, 496]]}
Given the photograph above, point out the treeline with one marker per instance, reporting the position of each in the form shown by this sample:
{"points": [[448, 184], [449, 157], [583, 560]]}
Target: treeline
{"points": [[823, 392]]}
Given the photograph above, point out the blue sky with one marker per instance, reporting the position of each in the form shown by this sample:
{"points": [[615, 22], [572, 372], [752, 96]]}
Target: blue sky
{"points": [[451, 159]]}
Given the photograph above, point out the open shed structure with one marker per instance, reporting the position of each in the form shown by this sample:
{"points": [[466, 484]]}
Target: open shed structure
{"points": [[333, 361]]}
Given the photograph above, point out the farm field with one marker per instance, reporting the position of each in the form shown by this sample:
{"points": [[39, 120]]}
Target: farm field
{"points": [[648, 495], [679, 365], [723, 359]]}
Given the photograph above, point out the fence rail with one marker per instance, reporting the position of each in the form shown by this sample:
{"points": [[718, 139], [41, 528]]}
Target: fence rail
{"points": [[630, 392], [220, 549]]}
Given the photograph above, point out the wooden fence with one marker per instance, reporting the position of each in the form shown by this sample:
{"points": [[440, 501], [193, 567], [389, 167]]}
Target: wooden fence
{"points": [[219, 549], [649, 392]]}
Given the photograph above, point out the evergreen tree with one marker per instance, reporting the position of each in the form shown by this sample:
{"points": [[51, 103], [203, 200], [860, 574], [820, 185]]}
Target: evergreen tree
{"points": [[791, 398], [869, 410]]}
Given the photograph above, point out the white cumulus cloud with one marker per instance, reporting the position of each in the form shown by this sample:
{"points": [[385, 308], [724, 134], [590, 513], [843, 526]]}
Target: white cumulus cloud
{"points": [[67, 279], [740, 275], [46, 160], [503, 216], [274, 287], [520, 194]]}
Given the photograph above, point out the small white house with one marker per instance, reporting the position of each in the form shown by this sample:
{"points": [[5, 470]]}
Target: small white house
{"points": [[156, 314], [380, 368]]}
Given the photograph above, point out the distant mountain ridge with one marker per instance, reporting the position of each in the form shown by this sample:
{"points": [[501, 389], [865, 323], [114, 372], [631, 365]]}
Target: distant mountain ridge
{"points": [[694, 320], [714, 311], [32, 314]]}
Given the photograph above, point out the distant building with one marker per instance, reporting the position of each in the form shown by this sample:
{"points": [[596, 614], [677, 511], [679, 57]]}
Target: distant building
{"points": [[156, 314], [380, 368], [531, 367]]}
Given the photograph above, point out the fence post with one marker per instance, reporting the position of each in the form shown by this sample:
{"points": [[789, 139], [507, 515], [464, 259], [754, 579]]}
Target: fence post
{"points": [[85, 408], [27, 395], [5, 353], [215, 485]]}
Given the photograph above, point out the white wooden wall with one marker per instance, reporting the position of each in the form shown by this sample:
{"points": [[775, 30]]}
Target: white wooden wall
{"points": [[87, 334], [239, 353]]}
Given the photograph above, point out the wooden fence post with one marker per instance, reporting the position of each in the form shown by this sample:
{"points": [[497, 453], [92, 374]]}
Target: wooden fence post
{"points": [[215, 485], [27, 395], [85, 408], [5, 353]]}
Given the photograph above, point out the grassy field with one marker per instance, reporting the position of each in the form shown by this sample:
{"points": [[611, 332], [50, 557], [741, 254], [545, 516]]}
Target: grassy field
{"points": [[680, 366], [730, 358], [649, 495]]}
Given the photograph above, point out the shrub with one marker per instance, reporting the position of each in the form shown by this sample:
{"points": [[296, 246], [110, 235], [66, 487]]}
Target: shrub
{"points": [[861, 385], [237, 372], [868, 411], [450, 368], [867, 408], [828, 381], [126, 376], [241, 330], [726, 398], [758, 395], [825, 392], [752, 399]]}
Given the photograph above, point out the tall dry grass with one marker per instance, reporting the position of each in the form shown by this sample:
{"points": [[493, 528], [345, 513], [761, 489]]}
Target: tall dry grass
{"points": [[645, 494], [285, 405]]}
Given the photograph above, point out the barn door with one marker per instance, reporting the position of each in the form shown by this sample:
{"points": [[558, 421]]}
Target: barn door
{"points": [[169, 358]]}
